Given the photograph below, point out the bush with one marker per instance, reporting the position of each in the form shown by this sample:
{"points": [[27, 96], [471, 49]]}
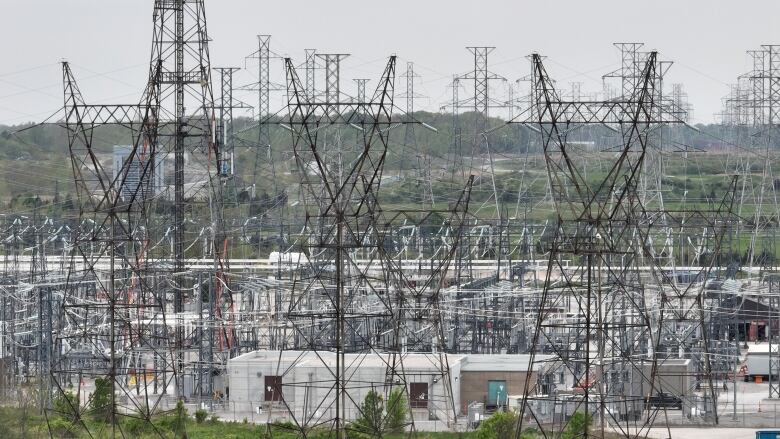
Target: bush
{"points": [[201, 415], [66, 405], [319, 432], [377, 419], [578, 426], [530, 433], [176, 422], [397, 411], [502, 425], [284, 425], [101, 403], [371, 416], [62, 428], [137, 426]]}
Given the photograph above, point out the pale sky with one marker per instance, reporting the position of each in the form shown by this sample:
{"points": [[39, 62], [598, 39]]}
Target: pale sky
{"points": [[108, 42]]}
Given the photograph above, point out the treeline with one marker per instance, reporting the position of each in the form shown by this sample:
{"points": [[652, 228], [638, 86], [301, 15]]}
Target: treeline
{"points": [[435, 133], [34, 159]]}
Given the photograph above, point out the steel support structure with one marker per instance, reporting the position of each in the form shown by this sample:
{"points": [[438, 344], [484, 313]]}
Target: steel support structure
{"points": [[595, 317], [361, 309]]}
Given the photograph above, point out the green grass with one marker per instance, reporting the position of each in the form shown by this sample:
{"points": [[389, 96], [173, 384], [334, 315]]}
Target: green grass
{"points": [[16, 423]]}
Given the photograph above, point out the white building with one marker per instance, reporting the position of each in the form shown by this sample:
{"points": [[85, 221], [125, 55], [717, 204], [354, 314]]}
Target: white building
{"points": [[303, 382], [278, 383]]}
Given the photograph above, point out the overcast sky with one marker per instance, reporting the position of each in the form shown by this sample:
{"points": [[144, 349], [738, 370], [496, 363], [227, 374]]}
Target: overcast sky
{"points": [[108, 42]]}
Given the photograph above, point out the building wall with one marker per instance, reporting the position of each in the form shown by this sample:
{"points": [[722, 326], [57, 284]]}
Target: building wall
{"points": [[247, 380], [669, 378], [307, 386], [474, 385]]}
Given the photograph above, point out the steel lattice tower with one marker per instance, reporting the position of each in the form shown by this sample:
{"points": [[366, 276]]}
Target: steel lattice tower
{"points": [[612, 343], [757, 82], [332, 77], [225, 134], [310, 68], [422, 164], [772, 78], [361, 308], [481, 77], [263, 56], [142, 300]]}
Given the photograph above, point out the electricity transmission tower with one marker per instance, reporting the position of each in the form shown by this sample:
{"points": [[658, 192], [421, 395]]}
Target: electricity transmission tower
{"points": [[612, 344], [120, 296]]}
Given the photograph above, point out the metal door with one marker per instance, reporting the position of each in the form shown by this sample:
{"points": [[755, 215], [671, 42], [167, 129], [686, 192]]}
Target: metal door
{"points": [[496, 393]]}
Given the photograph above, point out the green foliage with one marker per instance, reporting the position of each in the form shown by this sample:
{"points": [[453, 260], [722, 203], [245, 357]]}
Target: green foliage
{"points": [[377, 419], [578, 426], [397, 411], [502, 425], [176, 421], [319, 433], [66, 405], [16, 423], [137, 426], [101, 403], [530, 433], [62, 428], [180, 418], [283, 425], [201, 415], [371, 416]]}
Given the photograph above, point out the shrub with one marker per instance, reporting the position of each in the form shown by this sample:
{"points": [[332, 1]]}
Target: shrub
{"points": [[66, 405], [284, 425], [397, 411], [377, 419], [530, 433], [201, 415], [176, 421], [101, 403], [137, 426], [502, 425], [578, 426], [62, 428], [371, 415], [319, 433]]}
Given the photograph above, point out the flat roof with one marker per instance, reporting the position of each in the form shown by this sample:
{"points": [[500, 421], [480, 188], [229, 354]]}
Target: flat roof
{"points": [[501, 362], [758, 348], [415, 361]]}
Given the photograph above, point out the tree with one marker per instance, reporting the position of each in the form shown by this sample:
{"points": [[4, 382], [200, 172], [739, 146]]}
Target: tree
{"points": [[397, 410], [176, 421], [101, 403], [371, 415], [578, 426], [66, 405]]}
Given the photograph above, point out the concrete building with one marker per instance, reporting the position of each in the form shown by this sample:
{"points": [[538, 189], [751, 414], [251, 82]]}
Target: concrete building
{"points": [[302, 382], [491, 379]]}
